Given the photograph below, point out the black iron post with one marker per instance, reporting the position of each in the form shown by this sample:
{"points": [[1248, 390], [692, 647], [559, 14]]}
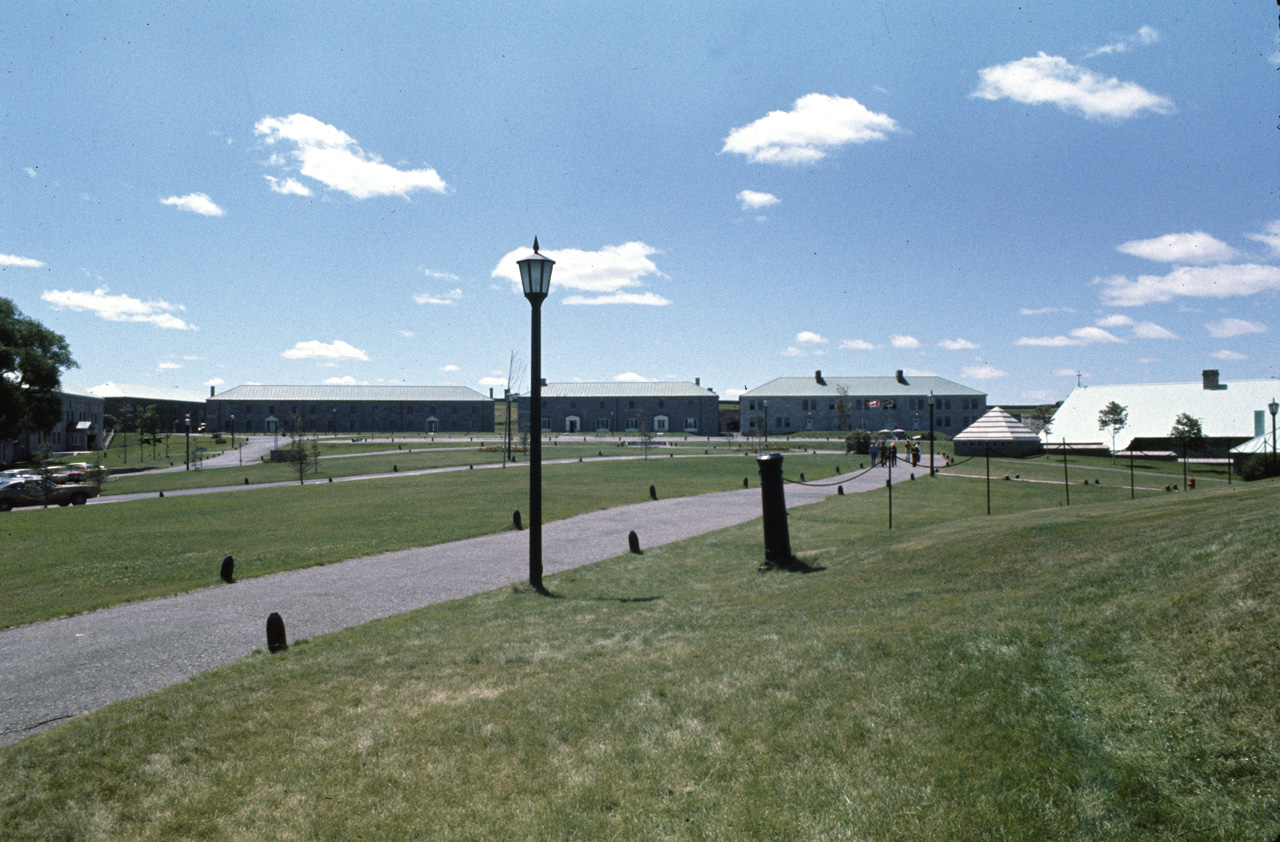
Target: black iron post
{"points": [[1066, 479], [766, 423], [1130, 470], [535, 277], [1274, 408], [988, 444], [188, 418], [931, 434], [777, 539]]}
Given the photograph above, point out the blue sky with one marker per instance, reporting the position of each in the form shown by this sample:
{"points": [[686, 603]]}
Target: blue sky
{"points": [[301, 193]]}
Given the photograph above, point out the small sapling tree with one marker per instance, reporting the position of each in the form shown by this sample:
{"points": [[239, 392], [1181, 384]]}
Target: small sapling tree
{"points": [[1187, 434], [1114, 417]]}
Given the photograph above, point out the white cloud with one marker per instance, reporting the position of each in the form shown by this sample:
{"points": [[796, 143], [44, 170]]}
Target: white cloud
{"points": [[407, 334], [316, 350], [448, 298], [734, 394], [449, 367], [817, 125], [1190, 281], [856, 345], [957, 345], [751, 200], [793, 351], [608, 276], [650, 299], [900, 341], [1270, 238], [631, 377], [24, 262], [333, 158], [31, 171], [345, 380], [216, 381], [982, 372], [1115, 321], [1041, 311], [1079, 336], [441, 276], [494, 382], [808, 337], [118, 308], [1144, 36], [195, 203], [168, 366], [1151, 330], [288, 186], [1228, 355], [1053, 80], [1195, 247], [1227, 328], [1066, 372]]}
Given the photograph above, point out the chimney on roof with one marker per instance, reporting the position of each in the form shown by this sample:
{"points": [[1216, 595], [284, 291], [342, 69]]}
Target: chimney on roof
{"points": [[1210, 376], [697, 381], [898, 376], [544, 381], [817, 378], [211, 388], [490, 393]]}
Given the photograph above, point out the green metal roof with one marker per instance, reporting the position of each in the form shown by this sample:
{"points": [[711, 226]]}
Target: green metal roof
{"points": [[626, 390], [888, 387], [384, 394]]}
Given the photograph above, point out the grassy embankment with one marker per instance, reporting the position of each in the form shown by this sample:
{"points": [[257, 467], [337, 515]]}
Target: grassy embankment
{"points": [[1103, 671]]}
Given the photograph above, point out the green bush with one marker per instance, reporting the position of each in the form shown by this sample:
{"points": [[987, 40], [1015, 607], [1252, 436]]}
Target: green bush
{"points": [[859, 441], [1261, 466]]}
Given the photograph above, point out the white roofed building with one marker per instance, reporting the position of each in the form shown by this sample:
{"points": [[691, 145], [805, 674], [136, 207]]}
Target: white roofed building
{"points": [[1230, 413], [999, 434], [350, 409], [654, 406]]}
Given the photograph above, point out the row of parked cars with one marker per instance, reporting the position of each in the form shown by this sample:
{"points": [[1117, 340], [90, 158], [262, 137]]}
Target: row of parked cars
{"points": [[68, 485]]}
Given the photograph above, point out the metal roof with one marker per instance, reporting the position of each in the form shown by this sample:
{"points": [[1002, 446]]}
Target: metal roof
{"points": [[625, 390], [997, 425], [147, 393], [386, 394], [1225, 412], [809, 387]]}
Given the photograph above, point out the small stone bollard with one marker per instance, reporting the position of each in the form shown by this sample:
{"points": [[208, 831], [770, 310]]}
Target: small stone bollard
{"points": [[653, 493], [276, 640], [913, 476], [633, 542], [802, 476], [162, 494], [330, 479], [228, 570], [515, 520], [246, 480], [837, 469], [395, 469], [744, 482], [840, 490]]}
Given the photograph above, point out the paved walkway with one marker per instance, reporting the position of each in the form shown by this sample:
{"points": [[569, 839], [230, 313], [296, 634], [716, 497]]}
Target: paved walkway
{"points": [[52, 671]]}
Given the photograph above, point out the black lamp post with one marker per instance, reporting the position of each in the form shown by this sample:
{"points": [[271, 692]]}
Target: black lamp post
{"points": [[931, 434], [188, 420], [535, 277], [766, 423], [233, 437], [1274, 408]]}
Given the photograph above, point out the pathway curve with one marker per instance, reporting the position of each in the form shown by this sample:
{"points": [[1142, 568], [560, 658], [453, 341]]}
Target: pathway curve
{"points": [[52, 671]]}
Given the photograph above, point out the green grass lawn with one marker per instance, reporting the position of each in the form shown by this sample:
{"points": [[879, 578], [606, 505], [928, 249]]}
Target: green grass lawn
{"points": [[64, 561], [1100, 672]]}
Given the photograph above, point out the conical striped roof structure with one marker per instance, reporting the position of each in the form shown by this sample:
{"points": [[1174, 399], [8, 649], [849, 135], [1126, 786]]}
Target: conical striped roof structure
{"points": [[1004, 434]]}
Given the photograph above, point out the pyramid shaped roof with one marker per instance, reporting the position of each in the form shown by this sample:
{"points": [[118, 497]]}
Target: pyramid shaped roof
{"points": [[997, 425]]}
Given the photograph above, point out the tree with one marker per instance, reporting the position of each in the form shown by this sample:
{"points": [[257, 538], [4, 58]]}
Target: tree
{"points": [[1043, 415], [32, 359], [646, 437], [1115, 416], [843, 411], [302, 454], [1188, 435], [859, 441]]}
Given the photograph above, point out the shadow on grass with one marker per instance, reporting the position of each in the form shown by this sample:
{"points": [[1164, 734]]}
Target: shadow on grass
{"points": [[791, 565]]}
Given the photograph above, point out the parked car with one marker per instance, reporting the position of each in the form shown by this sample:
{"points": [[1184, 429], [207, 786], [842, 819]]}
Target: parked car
{"points": [[34, 492], [78, 472]]}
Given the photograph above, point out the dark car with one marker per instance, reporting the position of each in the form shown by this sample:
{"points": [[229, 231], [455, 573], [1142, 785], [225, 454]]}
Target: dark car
{"points": [[37, 491]]}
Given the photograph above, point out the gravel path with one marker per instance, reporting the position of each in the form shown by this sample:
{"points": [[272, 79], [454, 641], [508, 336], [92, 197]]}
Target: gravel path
{"points": [[52, 671]]}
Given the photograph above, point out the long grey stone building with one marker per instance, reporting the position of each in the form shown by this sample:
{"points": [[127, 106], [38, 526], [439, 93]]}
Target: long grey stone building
{"points": [[657, 407], [350, 409], [795, 404]]}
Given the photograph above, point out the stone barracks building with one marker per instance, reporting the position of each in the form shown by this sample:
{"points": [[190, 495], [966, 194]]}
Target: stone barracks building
{"points": [[795, 404], [350, 409], [624, 407]]}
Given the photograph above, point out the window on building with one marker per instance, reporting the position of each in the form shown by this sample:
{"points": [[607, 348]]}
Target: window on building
{"points": [[632, 425], [661, 404], [691, 425], [660, 423], [546, 425], [631, 404]]}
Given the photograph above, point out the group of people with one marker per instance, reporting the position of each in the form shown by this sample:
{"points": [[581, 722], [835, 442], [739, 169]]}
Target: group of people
{"points": [[885, 452]]}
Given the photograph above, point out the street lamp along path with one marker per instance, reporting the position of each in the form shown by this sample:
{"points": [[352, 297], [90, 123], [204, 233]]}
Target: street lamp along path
{"points": [[535, 278]]}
